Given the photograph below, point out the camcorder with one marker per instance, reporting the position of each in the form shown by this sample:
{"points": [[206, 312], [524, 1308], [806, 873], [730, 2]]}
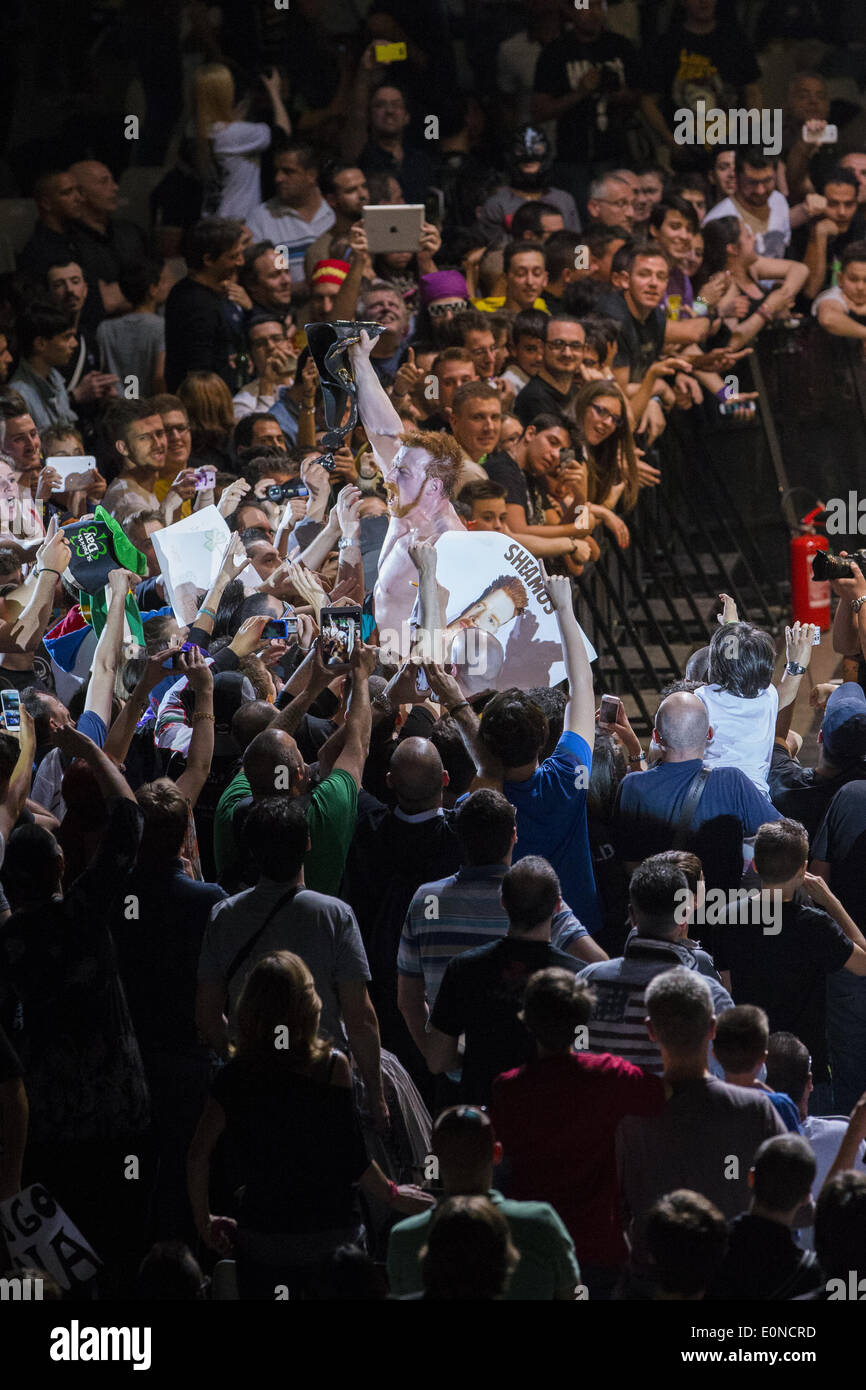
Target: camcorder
{"points": [[827, 566], [280, 629], [284, 492]]}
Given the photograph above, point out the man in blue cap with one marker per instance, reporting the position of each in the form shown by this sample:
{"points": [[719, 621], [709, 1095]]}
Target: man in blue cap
{"points": [[804, 793]]}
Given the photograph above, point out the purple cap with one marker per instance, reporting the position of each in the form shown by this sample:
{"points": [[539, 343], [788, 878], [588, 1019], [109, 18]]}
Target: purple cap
{"points": [[443, 284]]}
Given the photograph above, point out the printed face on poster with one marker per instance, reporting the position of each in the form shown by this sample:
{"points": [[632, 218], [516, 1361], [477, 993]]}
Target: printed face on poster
{"points": [[500, 622]]}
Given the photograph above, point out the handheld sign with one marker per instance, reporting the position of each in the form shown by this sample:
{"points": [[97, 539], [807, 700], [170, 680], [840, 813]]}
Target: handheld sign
{"points": [[500, 623]]}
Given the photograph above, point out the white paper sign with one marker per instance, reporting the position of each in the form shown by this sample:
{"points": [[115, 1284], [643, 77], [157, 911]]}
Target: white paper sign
{"points": [[500, 613], [189, 554], [38, 1232]]}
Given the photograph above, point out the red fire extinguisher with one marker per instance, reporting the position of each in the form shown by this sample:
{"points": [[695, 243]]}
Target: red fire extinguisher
{"points": [[810, 597]]}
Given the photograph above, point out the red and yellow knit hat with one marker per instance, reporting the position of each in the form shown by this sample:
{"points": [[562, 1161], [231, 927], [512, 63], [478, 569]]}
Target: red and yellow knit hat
{"points": [[331, 273]]}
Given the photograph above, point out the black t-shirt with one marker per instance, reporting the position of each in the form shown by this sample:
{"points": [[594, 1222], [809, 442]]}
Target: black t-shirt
{"points": [[297, 1144], [480, 995], [763, 1262], [45, 248], [158, 953], [685, 67], [841, 842], [593, 129], [798, 793], [103, 255], [639, 344], [538, 397], [501, 468], [388, 860], [198, 336], [784, 971]]}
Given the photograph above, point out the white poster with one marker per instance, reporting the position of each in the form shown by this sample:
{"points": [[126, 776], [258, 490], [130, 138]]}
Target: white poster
{"points": [[38, 1232], [189, 554], [499, 613]]}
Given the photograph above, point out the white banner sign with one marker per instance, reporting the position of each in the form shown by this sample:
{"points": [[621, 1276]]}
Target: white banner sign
{"points": [[189, 554], [38, 1232]]}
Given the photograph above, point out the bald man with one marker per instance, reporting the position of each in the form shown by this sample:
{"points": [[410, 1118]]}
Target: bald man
{"points": [[274, 766], [680, 804], [395, 849], [104, 243], [58, 204]]}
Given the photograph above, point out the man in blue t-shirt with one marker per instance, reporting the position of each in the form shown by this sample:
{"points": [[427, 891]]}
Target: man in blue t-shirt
{"points": [[550, 798], [650, 804]]}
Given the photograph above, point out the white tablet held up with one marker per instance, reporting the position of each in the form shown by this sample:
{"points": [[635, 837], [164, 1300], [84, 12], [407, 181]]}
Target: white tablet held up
{"points": [[393, 228], [67, 466]]}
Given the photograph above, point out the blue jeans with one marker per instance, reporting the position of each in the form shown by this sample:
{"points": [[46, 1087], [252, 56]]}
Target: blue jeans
{"points": [[846, 1034]]}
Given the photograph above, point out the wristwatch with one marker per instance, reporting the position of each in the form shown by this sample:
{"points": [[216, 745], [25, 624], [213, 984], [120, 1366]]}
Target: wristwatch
{"points": [[346, 543], [794, 670], [382, 702], [857, 603]]}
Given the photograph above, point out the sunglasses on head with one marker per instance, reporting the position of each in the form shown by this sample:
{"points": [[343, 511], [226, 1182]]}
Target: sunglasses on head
{"points": [[438, 311]]}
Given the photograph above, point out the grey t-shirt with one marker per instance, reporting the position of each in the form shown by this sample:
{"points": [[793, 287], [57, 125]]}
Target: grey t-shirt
{"points": [[130, 346], [321, 930], [505, 201], [705, 1139]]}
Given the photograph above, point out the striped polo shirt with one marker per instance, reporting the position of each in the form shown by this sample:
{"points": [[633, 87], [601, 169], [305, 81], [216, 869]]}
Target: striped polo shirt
{"points": [[458, 913], [618, 1022]]}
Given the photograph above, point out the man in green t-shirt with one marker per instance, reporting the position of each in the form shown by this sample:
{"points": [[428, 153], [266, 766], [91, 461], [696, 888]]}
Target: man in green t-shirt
{"points": [[273, 765], [465, 1149]]}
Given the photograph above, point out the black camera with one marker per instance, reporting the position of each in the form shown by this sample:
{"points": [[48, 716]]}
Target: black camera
{"points": [[827, 566], [284, 492]]}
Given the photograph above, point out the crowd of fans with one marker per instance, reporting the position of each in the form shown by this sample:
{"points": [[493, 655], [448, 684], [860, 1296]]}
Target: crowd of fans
{"points": [[441, 995]]}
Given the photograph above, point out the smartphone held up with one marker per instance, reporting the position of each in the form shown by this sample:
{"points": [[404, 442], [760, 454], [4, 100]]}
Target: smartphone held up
{"points": [[340, 630]]}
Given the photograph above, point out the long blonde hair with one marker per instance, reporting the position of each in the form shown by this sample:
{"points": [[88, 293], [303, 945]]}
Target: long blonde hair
{"points": [[208, 403], [278, 1013], [214, 102]]}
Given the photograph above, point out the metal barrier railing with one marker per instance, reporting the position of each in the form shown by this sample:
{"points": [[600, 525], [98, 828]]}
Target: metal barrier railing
{"points": [[721, 519]]}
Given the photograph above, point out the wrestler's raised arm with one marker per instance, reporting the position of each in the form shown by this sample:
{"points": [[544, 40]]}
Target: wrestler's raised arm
{"points": [[381, 422]]}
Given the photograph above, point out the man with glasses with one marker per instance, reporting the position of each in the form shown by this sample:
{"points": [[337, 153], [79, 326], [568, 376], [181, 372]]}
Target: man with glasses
{"points": [[611, 202], [178, 447], [386, 150], [274, 361], [552, 389], [758, 202]]}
